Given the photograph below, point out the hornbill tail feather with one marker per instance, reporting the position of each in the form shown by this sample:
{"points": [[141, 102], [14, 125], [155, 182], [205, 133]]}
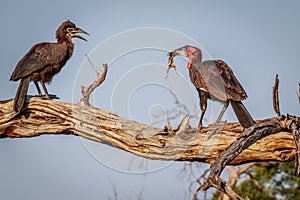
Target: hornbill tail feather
{"points": [[20, 97], [242, 114]]}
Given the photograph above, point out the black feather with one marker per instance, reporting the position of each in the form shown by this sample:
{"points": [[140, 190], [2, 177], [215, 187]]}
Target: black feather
{"points": [[242, 114], [20, 97]]}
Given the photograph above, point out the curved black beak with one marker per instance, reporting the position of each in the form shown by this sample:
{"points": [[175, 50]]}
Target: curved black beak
{"points": [[79, 30]]}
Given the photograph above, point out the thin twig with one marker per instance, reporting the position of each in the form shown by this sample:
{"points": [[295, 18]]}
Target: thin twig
{"points": [[91, 63], [198, 180]]}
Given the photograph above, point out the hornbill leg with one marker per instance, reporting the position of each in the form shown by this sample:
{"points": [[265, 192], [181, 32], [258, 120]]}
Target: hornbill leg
{"points": [[45, 89], [38, 88], [203, 105], [223, 111]]}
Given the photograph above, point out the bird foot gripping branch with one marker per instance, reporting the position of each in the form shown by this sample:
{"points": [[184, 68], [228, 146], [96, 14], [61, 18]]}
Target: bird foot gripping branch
{"points": [[171, 63]]}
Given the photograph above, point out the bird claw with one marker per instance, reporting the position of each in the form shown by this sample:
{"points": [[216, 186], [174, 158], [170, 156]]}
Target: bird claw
{"points": [[49, 97], [53, 96], [171, 63], [200, 126]]}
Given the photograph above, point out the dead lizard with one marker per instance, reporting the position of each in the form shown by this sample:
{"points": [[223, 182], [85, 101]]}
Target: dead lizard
{"points": [[171, 63]]}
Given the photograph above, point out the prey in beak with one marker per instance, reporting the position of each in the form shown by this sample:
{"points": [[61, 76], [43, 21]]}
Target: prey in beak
{"points": [[180, 52], [171, 63]]}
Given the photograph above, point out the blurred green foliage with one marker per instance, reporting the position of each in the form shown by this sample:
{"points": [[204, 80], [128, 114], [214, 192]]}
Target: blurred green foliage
{"points": [[269, 183]]}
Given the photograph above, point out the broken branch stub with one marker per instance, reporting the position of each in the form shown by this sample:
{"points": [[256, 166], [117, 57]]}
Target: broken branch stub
{"points": [[86, 91], [275, 96]]}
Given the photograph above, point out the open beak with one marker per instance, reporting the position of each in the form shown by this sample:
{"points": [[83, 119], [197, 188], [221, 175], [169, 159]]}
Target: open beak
{"points": [[180, 52], [79, 30]]}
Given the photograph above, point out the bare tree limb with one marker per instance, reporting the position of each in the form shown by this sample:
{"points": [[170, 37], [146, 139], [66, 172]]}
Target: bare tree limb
{"points": [[86, 91], [248, 137], [50, 117], [198, 180], [275, 96], [221, 144]]}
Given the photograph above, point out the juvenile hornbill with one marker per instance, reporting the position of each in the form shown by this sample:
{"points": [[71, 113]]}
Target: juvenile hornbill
{"points": [[215, 80], [43, 61]]}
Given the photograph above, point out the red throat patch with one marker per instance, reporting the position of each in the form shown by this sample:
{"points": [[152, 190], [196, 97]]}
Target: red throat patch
{"points": [[190, 56], [190, 61]]}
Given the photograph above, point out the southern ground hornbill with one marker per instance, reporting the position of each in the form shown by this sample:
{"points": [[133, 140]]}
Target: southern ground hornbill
{"points": [[43, 61], [215, 80]]}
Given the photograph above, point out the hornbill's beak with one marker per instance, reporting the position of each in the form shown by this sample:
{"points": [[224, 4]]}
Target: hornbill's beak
{"points": [[179, 52], [79, 30]]}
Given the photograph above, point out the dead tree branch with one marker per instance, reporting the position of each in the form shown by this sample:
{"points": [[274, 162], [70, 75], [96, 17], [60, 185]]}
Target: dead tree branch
{"points": [[275, 96], [86, 91], [248, 137], [221, 144], [50, 117]]}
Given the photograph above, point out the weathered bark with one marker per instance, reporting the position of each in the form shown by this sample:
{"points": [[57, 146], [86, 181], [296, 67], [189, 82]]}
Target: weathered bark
{"points": [[86, 91], [248, 137], [220, 144], [50, 117]]}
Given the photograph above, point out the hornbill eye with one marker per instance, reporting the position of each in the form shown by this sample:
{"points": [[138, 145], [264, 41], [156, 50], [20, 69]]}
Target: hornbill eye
{"points": [[70, 30]]}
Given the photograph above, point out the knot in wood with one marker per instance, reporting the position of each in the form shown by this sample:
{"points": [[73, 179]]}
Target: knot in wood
{"points": [[139, 137]]}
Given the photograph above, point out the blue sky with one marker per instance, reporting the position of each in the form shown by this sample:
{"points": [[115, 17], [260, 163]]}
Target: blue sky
{"points": [[256, 38]]}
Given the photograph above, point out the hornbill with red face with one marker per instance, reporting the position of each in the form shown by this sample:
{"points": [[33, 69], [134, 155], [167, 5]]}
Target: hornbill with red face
{"points": [[215, 80], [43, 61]]}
